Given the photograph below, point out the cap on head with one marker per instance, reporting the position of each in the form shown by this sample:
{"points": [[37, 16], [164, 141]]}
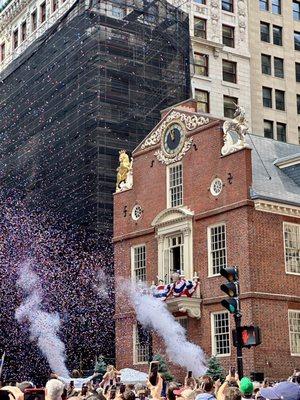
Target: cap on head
{"points": [[246, 386]]}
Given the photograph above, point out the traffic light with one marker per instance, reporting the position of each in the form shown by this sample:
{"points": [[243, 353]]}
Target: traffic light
{"points": [[247, 336], [231, 289]]}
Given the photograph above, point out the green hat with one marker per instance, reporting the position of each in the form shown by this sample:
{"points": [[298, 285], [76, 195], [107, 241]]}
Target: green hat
{"points": [[246, 386]]}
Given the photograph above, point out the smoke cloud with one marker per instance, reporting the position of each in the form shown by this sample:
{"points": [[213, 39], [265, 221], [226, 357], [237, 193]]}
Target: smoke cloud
{"points": [[44, 326], [153, 313]]}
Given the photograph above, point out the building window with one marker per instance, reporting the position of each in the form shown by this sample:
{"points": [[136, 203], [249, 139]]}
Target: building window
{"points": [[296, 10], [227, 5], [281, 132], [230, 104], [297, 69], [229, 71], [292, 248], [220, 334], [297, 40], [265, 32], [138, 263], [200, 28], [276, 6], [268, 129], [15, 39], [266, 64], [202, 98], [183, 321], [264, 5], [54, 5], [173, 256], [201, 64], [175, 185], [278, 67], [2, 52], [277, 35], [279, 100], [200, 1], [217, 259], [23, 31], [267, 97], [294, 330], [228, 35], [43, 12], [142, 344], [298, 103], [33, 21]]}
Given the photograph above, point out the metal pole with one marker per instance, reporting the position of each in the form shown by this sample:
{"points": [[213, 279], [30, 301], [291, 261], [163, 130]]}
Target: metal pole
{"points": [[239, 349]]}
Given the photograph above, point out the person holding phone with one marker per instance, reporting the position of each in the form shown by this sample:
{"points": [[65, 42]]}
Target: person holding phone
{"points": [[207, 388], [155, 381]]}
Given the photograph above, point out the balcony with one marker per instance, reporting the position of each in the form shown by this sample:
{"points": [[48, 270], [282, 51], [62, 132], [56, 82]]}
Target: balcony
{"points": [[180, 295]]}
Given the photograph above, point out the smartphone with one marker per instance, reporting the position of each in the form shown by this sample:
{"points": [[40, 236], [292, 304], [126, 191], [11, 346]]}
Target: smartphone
{"points": [[71, 383], [190, 374], [118, 379], [111, 382], [153, 371], [34, 394], [232, 371]]}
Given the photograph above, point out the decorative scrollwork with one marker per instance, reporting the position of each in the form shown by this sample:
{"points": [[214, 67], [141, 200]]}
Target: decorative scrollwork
{"points": [[191, 122], [167, 160]]}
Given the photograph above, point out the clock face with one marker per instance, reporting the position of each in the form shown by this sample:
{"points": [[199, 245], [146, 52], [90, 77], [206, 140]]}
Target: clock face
{"points": [[173, 139]]}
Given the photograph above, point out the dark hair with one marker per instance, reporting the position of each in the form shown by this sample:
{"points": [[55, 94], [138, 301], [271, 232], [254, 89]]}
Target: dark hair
{"points": [[170, 392], [207, 383], [129, 395], [4, 394]]}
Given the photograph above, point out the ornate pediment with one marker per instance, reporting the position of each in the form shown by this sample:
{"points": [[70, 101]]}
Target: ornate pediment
{"points": [[171, 216], [171, 134], [190, 121]]}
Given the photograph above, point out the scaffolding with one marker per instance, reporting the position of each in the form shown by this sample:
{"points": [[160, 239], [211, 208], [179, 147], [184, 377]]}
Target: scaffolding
{"points": [[91, 85]]}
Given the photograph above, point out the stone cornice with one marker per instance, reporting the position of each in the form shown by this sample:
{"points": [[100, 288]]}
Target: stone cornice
{"points": [[11, 11], [277, 208]]}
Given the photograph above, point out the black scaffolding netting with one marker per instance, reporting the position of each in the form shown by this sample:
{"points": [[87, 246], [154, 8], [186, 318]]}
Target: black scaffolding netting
{"points": [[92, 85]]}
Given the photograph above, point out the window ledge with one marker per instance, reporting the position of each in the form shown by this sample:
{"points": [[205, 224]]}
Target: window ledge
{"points": [[214, 276], [293, 273], [204, 78], [230, 84], [223, 355]]}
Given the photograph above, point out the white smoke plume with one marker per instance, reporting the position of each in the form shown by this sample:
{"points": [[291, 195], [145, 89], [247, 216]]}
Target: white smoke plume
{"points": [[44, 327], [153, 313], [100, 285]]}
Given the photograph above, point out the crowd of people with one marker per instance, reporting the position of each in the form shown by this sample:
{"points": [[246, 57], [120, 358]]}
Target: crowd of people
{"points": [[111, 388]]}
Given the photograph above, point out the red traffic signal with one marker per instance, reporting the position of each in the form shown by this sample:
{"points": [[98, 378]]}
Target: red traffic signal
{"points": [[248, 336]]}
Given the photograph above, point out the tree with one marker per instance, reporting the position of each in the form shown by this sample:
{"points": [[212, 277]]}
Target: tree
{"points": [[215, 369], [100, 365], [163, 368]]}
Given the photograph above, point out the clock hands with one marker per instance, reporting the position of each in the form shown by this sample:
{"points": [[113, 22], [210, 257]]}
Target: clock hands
{"points": [[172, 134]]}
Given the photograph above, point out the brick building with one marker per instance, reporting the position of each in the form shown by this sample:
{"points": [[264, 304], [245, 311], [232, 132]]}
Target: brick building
{"points": [[193, 210]]}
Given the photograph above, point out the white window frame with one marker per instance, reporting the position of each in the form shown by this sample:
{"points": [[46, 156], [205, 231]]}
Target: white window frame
{"points": [[213, 342], [167, 255], [132, 262], [135, 358], [209, 251], [169, 202], [290, 335], [285, 224]]}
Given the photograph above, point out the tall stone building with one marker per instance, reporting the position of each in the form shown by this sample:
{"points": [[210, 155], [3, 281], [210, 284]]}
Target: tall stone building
{"points": [[248, 52], [197, 205], [274, 39], [220, 70]]}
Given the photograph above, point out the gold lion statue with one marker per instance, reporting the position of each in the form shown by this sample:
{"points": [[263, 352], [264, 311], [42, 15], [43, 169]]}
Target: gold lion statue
{"points": [[124, 168]]}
